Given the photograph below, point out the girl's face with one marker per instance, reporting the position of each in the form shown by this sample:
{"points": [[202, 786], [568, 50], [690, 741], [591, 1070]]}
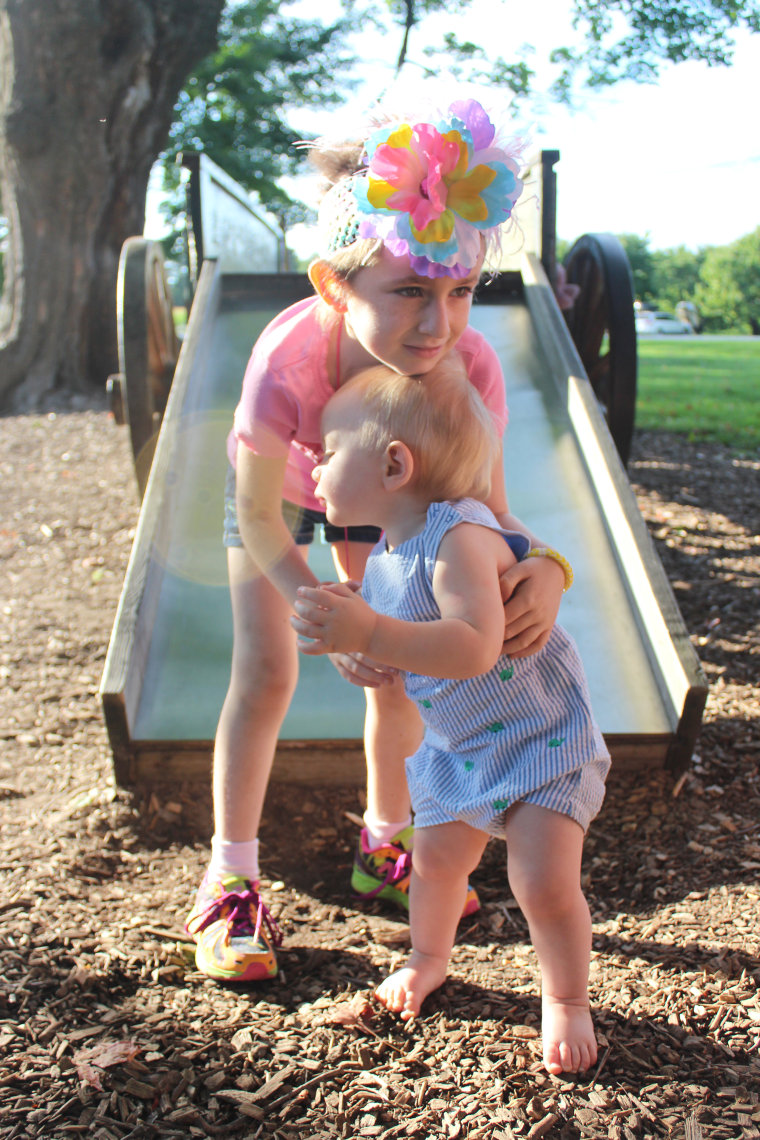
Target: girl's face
{"points": [[349, 477], [403, 320]]}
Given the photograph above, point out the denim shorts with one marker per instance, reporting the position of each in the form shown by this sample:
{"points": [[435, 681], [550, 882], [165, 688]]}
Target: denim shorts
{"points": [[300, 521]]}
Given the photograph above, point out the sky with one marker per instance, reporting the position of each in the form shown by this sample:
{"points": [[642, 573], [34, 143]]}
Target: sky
{"points": [[677, 162]]}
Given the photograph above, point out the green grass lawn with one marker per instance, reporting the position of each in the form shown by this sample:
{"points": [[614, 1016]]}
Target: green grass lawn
{"points": [[706, 389]]}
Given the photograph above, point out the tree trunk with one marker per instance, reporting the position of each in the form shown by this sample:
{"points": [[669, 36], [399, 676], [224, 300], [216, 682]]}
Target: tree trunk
{"points": [[87, 92]]}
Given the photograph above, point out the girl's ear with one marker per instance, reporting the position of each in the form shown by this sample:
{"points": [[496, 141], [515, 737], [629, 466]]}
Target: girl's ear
{"points": [[398, 466], [328, 285]]}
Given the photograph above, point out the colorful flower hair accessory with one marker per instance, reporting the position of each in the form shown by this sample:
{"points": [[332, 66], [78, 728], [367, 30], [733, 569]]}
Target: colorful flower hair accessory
{"points": [[433, 191]]}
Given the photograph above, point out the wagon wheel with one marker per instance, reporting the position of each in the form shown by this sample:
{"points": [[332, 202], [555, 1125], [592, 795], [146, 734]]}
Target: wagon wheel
{"points": [[601, 323], [148, 347]]}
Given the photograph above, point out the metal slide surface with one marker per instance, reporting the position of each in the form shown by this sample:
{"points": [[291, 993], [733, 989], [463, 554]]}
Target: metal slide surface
{"points": [[187, 664]]}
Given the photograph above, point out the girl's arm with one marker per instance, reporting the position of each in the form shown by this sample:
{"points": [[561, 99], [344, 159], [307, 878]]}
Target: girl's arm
{"points": [[271, 547], [466, 640], [265, 534], [532, 589]]}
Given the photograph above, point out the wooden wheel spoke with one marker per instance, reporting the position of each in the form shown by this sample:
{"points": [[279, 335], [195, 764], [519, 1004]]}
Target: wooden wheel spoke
{"points": [[601, 372], [148, 346], [602, 326]]}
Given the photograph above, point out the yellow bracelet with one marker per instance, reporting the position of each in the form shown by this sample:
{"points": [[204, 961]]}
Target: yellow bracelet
{"points": [[547, 552]]}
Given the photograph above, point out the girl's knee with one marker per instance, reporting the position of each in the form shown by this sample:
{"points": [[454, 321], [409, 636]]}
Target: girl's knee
{"points": [[263, 677], [544, 851]]}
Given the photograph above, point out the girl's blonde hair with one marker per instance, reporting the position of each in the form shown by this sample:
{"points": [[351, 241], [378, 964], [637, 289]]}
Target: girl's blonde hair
{"points": [[346, 262], [440, 417], [337, 162]]}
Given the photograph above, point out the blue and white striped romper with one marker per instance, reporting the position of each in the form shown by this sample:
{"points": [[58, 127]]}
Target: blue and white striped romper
{"points": [[522, 731]]}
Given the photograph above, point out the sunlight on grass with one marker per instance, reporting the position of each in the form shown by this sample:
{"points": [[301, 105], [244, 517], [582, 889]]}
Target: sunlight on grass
{"points": [[704, 389]]}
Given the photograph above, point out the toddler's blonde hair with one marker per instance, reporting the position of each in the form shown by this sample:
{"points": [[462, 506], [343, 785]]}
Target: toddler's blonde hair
{"points": [[441, 418]]}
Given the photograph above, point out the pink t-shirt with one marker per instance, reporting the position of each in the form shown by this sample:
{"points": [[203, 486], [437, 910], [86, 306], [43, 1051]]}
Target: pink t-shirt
{"points": [[286, 387]]}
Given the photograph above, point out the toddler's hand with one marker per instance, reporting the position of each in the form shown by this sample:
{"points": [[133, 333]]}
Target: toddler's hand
{"points": [[353, 667], [332, 619]]}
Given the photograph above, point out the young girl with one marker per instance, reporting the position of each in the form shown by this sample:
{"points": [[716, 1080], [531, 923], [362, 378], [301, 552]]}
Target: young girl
{"points": [[510, 747], [405, 236]]}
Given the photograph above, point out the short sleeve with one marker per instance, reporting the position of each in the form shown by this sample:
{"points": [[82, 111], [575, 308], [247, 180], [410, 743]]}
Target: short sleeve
{"points": [[485, 373], [267, 416], [284, 387]]}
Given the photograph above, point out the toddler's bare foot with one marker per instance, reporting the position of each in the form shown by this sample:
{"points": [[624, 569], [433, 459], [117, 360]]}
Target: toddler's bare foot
{"points": [[568, 1035], [404, 991]]}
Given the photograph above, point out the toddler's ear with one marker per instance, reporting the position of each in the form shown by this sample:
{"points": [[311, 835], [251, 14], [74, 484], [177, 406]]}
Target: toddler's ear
{"points": [[328, 285], [399, 466]]}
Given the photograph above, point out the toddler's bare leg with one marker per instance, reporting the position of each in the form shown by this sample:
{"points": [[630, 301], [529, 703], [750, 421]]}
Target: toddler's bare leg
{"points": [[444, 857], [544, 851]]}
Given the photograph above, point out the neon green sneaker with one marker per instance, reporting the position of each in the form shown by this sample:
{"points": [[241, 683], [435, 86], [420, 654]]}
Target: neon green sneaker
{"points": [[235, 934], [384, 872]]}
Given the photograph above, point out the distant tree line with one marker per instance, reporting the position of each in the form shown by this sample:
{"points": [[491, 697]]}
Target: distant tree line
{"points": [[722, 281]]}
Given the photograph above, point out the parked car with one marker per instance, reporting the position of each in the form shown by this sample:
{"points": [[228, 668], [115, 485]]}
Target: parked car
{"points": [[688, 311], [649, 323]]}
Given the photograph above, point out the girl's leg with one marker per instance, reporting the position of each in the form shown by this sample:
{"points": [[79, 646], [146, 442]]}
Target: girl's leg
{"points": [[392, 732], [444, 857], [544, 862], [234, 934], [262, 681], [392, 727]]}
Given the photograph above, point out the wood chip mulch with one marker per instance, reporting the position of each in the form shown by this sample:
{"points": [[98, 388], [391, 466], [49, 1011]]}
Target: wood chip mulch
{"points": [[108, 1031]]}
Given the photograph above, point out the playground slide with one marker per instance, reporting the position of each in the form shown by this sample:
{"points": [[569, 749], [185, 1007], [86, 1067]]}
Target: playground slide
{"points": [[168, 661]]}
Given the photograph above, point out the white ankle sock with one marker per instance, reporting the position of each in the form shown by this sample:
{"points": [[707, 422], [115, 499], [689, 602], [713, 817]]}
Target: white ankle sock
{"points": [[379, 832], [229, 858]]}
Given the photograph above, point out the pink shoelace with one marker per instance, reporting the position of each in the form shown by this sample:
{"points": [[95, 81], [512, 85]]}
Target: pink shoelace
{"points": [[238, 917], [395, 872]]}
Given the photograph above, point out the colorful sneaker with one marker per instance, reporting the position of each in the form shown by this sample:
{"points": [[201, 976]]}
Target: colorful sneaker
{"points": [[384, 872], [235, 934]]}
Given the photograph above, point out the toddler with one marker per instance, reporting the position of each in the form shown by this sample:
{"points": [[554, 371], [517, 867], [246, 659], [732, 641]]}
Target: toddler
{"points": [[510, 746]]}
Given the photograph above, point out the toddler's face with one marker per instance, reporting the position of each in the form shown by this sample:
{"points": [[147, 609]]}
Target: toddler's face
{"points": [[406, 321], [349, 477]]}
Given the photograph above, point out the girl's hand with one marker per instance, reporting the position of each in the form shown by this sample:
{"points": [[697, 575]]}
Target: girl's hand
{"points": [[531, 591], [357, 668], [332, 619]]}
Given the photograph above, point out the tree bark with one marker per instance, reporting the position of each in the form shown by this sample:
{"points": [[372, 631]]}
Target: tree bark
{"points": [[87, 92]]}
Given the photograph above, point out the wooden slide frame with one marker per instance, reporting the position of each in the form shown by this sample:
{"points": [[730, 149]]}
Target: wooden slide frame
{"points": [[678, 676]]}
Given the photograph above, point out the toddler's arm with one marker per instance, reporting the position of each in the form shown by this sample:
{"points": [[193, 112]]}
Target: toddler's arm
{"points": [[464, 641]]}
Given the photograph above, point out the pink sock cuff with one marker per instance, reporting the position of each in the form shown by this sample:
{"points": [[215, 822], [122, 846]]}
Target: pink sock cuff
{"points": [[380, 832]]}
